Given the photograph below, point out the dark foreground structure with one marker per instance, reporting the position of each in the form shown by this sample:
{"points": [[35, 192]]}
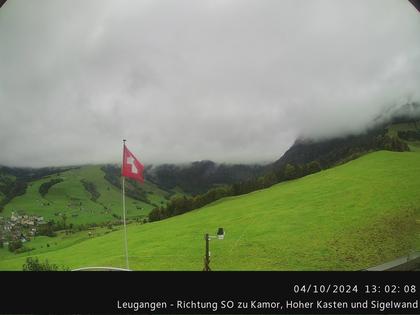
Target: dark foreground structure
{"points": [[406, 263], [416, 3]]}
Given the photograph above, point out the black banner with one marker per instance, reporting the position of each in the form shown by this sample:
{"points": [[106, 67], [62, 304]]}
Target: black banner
{"points": [[210, 292]]}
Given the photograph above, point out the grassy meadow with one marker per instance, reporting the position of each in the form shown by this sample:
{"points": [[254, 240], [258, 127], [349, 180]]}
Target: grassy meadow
{"points": [[350, 217], [71, 198]]}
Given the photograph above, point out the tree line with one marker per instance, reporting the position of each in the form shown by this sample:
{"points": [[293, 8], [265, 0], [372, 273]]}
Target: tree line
{"points": [[182, 204], [276, 174], [45, 187], [200, 176], [91, 188], [11, 190], [409, 135]]}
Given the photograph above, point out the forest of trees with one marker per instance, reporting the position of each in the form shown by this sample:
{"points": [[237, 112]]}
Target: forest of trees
{"points": [[30, 174], [198, 177], [91, 188], [11, 190], [409, 135], [45, 187], [338, 150]]}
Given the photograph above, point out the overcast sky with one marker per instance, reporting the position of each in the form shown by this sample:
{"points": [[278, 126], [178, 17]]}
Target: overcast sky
{"points": [[230, 81]]}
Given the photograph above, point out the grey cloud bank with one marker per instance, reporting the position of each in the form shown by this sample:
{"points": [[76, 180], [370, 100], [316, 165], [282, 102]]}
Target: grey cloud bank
{"points": [[231, 81]]}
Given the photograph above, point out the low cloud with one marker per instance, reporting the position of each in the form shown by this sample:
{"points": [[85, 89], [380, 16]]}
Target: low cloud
{"points": [[230, 81]]}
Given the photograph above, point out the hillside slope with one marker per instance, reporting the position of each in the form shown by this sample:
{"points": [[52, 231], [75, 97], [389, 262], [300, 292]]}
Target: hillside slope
{"points": [[334, 151], [72, 200], [350, 217], [198, 177], [19, 189]]}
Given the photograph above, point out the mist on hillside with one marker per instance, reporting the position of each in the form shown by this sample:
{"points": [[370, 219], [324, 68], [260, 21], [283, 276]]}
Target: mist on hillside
{"points": [[232, 81]]}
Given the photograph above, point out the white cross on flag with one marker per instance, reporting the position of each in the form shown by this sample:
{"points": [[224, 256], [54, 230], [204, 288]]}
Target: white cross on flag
{"points": [[131, 167]]}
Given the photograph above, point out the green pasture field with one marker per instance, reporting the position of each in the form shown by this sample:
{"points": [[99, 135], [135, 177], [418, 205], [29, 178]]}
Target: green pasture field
{"points": [[350, 217], [70, 198]]}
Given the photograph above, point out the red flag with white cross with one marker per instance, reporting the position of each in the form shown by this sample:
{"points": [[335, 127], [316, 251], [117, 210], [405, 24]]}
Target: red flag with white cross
{"points": [[131, 167]]}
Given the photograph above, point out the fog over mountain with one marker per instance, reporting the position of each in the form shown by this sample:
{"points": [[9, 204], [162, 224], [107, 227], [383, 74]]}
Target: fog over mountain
{"points": [[225, 80]]}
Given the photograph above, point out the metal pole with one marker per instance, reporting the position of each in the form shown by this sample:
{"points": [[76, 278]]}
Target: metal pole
{"points": [[125, 225], [207, 256]]}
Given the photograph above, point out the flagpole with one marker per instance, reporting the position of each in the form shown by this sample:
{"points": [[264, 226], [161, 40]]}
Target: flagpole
{"points": [[125, 224]]}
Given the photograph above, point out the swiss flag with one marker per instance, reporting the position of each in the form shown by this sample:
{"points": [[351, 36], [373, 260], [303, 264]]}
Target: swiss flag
{"points": [[131, 167]]}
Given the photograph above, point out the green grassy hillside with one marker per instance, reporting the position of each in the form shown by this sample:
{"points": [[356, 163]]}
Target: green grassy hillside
{"points": [[70, 197], [350, 217]]}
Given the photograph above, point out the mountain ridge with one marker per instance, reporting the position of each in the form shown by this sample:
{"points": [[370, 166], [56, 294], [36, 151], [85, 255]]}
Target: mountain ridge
{"points": [[209, 180]]}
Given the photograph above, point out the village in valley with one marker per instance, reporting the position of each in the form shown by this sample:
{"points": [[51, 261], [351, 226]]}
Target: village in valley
{"points": [[19, 228]]}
